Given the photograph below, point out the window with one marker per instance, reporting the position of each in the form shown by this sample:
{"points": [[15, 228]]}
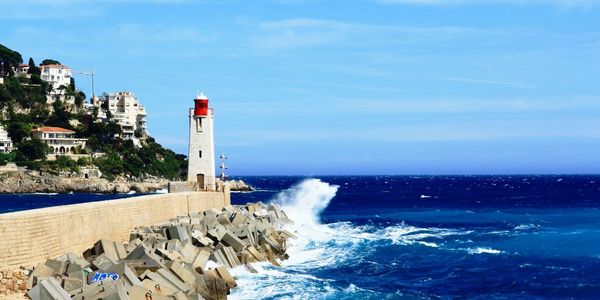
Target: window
{"points": [[199, 124], [200, 154]]}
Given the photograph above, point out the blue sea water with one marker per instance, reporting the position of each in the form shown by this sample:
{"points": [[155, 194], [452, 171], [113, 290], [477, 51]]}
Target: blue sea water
{"points": [[18, 202], [421, 237], [440, 237]]}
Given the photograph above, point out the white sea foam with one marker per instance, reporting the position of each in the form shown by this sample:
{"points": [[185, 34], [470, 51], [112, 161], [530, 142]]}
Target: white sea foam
{"points": [[483, 250], [526, 227], [162, 191], [320, 246]]}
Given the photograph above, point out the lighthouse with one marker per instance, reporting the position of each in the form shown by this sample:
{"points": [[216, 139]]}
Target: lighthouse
{"points": [[201, 154]]}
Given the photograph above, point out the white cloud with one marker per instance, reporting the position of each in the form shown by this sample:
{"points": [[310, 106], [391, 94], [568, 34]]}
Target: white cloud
{"points": [[293, 33]]}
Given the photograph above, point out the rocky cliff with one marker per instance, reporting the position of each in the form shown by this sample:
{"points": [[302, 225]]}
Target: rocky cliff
{"points": [[36, 182]]}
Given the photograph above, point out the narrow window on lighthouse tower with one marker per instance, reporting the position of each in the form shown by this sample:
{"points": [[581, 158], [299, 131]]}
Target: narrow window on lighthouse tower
{"points": [[200, 154], [199, 124]]}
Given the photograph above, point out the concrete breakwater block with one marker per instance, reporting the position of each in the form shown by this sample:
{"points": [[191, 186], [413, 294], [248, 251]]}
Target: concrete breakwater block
{"points": [[188, 257], [48, 289]]}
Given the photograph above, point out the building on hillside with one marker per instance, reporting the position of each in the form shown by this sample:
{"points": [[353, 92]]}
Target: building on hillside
{"points": [[61, 141], [126, 110], [22, 70], [201, 151], [6, 144], [57, 75]]}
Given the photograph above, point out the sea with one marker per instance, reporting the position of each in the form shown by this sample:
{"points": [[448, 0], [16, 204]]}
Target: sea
{"points": [[422, 237], [432, 237]]}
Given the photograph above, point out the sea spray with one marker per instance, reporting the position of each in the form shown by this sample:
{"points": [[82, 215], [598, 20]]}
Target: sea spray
{"points": [[304, 202], [323, 248]]}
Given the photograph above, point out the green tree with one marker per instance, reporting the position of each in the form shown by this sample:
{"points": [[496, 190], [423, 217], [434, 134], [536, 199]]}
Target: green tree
{"points": [[64, 162], [102, 136], [5, 96], [15, 90], [8, 60], [35, 79], [39, 115], [49, 61], [60, 117], [18, 131], [33, 69], [83, 161], [32, 150], [110, 165], [79, 99], [7, 157]]}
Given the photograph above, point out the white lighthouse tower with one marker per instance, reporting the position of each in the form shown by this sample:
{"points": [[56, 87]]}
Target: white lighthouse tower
{"points": [[201, 156]]}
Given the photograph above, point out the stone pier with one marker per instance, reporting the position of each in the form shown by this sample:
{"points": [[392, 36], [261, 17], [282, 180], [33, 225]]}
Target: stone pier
{"points": [[32, 236]]}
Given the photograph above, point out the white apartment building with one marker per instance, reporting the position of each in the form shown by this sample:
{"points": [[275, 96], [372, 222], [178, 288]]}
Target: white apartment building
{"points": [[127, 111], [61, 141], [6, 144], [57, 75]]}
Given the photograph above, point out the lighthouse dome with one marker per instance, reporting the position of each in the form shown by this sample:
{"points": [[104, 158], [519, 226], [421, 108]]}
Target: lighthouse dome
{"points": [[201, 96]]}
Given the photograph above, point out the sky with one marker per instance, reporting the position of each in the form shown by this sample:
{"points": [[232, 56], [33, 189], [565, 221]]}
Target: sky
{"points": [[360, 87]]}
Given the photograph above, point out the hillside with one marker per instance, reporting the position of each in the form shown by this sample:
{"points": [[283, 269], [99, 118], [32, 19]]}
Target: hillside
{"points": [[28, 102]]}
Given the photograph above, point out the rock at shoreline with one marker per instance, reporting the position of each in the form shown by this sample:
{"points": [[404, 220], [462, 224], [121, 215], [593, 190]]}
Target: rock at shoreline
{"points": [[36, 182], [186, 258], [237, 185]]}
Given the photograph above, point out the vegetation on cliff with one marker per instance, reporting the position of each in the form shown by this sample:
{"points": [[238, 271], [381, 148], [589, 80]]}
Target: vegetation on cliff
{"points": [[24, 106]]}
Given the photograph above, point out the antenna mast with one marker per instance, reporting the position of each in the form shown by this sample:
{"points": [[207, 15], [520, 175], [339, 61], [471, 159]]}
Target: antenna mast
{"points": [[88, 73], [223, 167]]}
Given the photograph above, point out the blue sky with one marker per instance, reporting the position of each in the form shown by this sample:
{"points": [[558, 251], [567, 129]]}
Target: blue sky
{"points": [[314, 87]]}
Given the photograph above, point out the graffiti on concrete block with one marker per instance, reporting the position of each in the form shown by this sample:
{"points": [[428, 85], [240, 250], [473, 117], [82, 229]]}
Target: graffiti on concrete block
{"points": [[99, 276]]}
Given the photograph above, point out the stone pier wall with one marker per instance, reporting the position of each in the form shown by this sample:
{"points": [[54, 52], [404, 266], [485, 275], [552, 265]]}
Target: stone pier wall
{"points": [[30, 237], [13, 282]]}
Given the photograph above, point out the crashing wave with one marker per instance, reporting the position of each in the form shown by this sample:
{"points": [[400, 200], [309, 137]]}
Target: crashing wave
{"points": [[320, 246]]}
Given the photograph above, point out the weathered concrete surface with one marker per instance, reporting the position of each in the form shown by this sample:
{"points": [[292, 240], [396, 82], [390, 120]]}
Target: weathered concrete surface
{"points": [[30, 237], [166, 261]]}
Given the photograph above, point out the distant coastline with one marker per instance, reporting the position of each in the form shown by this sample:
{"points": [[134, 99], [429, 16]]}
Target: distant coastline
{"points": [[27, 182], [37, 182]]}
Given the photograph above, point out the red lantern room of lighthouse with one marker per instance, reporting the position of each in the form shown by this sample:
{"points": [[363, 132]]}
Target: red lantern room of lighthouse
{"points": [[201, 105]]}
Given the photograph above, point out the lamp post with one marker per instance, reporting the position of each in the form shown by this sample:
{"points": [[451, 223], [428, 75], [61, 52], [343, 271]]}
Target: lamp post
{"points": [[223, 167]]}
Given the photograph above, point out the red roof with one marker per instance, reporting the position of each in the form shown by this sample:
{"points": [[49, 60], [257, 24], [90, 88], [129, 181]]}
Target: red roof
{"points": [[23, 65], [52, 129]]}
